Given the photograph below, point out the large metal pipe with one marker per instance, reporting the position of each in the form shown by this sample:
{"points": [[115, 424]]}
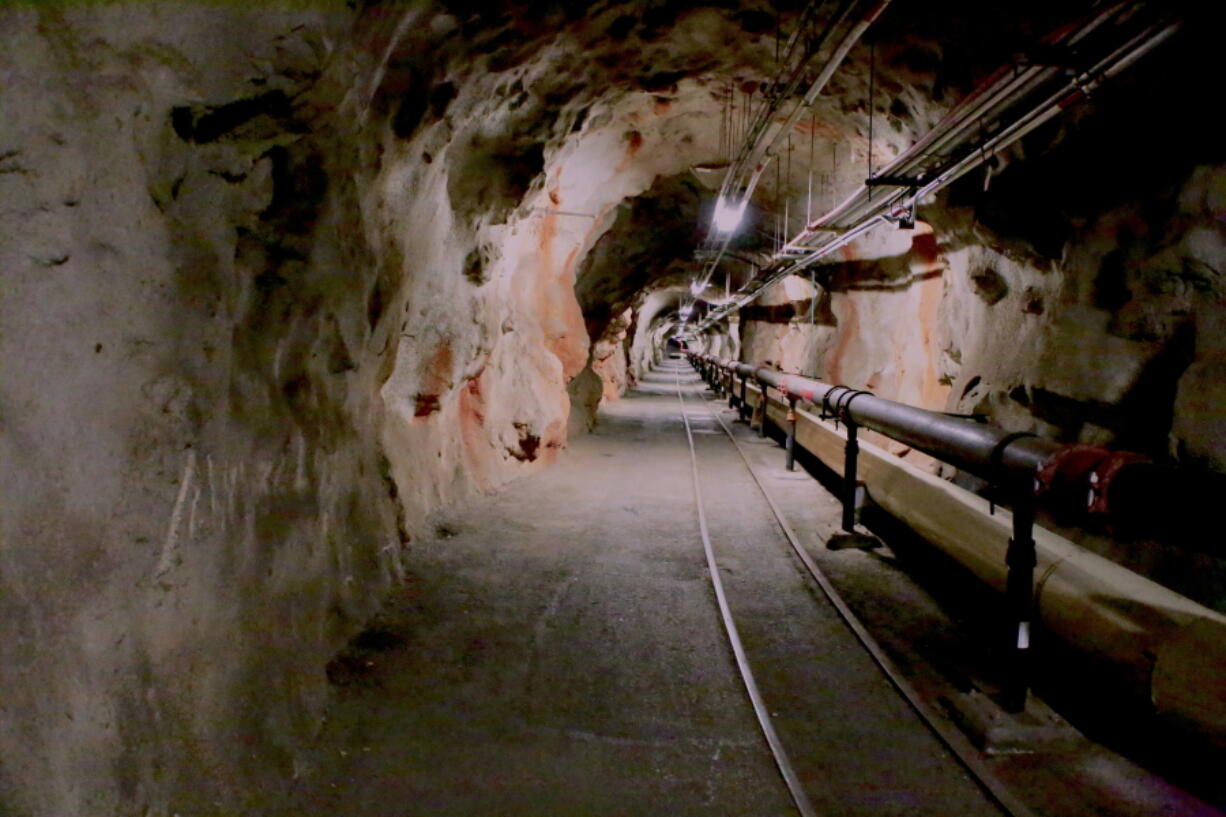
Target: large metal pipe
{"points": [[1086, 484], [1158, 641], [986, 451]]}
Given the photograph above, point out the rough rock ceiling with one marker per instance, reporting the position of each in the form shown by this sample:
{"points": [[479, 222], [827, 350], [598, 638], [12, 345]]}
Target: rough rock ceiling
{"points": [[279, 284]]}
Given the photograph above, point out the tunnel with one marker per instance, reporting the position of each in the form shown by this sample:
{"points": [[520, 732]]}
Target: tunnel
{"points": [[631, 407]]}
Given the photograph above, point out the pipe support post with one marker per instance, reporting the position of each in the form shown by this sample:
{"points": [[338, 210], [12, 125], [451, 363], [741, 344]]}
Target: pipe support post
{"points": [[790, 444], [1021, 558]]}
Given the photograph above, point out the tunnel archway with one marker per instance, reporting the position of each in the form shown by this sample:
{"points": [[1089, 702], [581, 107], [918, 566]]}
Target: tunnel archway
{"points": [[281, 286]]}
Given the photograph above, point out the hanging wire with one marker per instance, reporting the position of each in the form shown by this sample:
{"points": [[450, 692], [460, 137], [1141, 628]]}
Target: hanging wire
{"points": [[872, 91], [812, 146], [813, 301], [834, 171], [787, 199], [728, 119], [740, 117], [732, 119], [723, 136], [778, 25], [745, 108], [983, 156], [749, 103], [778, 210]]}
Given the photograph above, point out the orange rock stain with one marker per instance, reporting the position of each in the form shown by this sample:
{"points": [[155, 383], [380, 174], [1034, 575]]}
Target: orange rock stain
{"points": [[816, 128], [553, 298], [435, 379], [932, 393], [925, 258], [473, 440], [849, 326]]}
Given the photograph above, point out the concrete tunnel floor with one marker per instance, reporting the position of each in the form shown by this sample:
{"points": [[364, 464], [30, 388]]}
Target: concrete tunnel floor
{"points": [[557, 650]]}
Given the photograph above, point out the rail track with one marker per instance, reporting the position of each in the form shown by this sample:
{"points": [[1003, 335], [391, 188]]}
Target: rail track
{"points": [[958, 747]]}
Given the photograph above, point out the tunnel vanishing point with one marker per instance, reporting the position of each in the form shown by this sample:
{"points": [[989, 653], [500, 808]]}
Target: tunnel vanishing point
{"points": [[354, 457]]}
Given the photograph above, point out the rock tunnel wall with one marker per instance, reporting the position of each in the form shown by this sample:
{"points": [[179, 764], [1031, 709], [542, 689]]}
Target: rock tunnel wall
{"points": [[278, 285], [196, 509]]}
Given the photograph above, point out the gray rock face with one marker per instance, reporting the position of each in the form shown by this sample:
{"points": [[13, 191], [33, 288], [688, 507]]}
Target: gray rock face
{"points": [[275, 286], [195, 504]]}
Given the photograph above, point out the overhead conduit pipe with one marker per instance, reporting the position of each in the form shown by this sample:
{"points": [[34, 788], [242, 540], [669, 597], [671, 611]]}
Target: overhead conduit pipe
{"points": [[770, 130], [1160, 642], [963, 125], [1012, 103]]}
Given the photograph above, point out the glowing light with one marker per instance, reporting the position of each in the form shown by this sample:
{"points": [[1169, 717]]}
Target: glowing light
{"points": [[728, 216]]}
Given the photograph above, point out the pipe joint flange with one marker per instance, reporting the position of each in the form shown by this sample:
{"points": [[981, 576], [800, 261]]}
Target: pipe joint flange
{"points": [[996, 469], [828, 410], [843, 404], [1079, 478]]}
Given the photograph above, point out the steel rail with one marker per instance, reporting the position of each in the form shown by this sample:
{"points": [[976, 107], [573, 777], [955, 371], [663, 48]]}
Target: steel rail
{"points": [[786, 770], [1018, 463], [953, 739]]}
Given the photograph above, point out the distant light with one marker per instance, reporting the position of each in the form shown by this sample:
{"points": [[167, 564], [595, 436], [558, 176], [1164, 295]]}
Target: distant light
{"points": [[728, 216]]}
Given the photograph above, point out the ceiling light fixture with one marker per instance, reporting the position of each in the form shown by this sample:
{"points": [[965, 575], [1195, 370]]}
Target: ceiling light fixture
{"points": [[728, 216]]}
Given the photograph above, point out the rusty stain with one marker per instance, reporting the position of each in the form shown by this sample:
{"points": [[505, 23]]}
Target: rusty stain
{"points": [[933, 393], [425, 404], [848, 329], [816, 128], [435, 381]]}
